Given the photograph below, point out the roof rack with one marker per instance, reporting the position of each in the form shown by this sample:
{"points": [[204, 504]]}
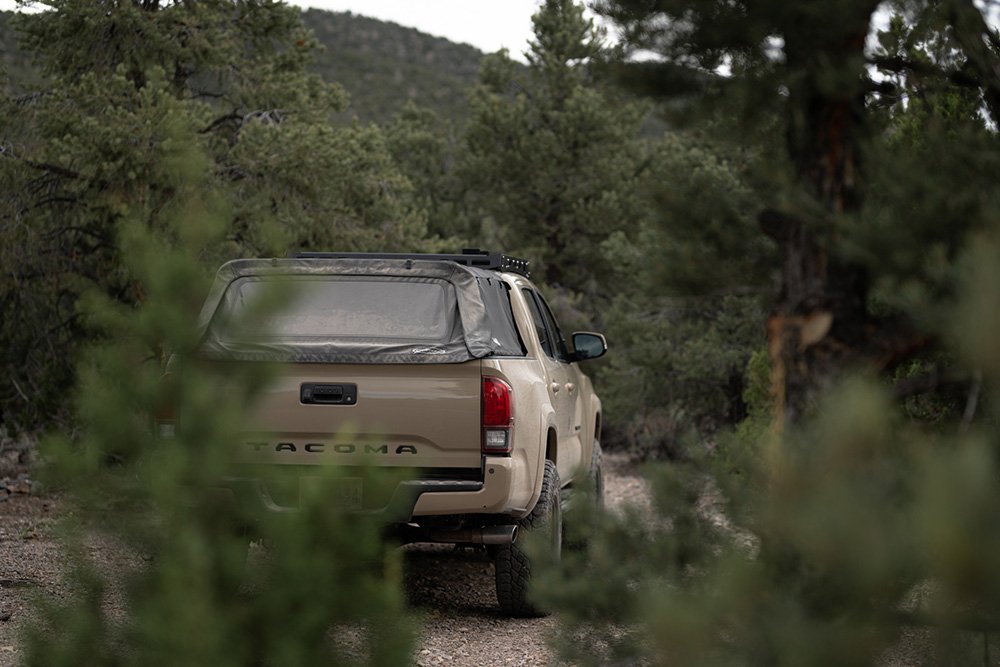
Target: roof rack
{"points": [[481, 259]]}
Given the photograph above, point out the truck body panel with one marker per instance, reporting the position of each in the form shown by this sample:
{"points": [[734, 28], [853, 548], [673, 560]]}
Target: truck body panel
{"points": [[412, 415], [381, 362]]}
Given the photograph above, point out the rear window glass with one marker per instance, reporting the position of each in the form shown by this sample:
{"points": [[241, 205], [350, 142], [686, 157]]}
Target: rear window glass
{"points": [[357, 307]]}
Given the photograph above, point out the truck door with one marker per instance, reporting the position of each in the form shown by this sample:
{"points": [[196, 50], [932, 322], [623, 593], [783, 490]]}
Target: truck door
{"points": [[561, 384]]}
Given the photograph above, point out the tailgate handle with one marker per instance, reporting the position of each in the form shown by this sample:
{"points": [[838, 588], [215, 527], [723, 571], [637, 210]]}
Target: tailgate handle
{"points": [[312, 393]]}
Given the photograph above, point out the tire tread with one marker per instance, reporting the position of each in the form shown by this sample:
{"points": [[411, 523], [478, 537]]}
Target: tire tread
{"points": [[512, 564]]}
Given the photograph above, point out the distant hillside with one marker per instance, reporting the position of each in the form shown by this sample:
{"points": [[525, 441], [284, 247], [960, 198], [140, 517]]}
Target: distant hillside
{"points": [[382, 65], [12, 59]]}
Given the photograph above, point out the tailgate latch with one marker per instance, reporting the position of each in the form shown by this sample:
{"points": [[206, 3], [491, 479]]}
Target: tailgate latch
{"points": [[311, 393]]}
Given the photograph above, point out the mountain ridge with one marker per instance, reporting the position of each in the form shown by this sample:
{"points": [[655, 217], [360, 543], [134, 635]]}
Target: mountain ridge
{"points": [[382, 65]]}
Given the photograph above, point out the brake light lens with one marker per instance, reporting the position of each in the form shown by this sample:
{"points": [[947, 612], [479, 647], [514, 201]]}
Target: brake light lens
{"points": [[498, 416]]}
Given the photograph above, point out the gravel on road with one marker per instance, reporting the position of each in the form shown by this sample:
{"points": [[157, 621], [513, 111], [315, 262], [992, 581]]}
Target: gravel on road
{"points": [[451, 590]]}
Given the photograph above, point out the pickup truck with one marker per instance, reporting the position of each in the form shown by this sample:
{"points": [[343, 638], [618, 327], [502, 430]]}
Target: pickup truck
{"points": [[450, 367]]}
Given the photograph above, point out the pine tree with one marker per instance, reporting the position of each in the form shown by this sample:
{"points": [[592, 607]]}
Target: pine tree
{"points": [[553, 161], [861, 532], [560, 167], [808, 63], [814, 55], [326, 591], [89, 152], [425, 147]]}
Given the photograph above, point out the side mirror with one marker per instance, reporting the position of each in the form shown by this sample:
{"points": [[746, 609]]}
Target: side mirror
{"points": [[588, 345]]}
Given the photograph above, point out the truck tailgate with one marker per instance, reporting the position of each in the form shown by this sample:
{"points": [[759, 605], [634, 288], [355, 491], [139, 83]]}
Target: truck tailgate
{"points": [[413, 415]]}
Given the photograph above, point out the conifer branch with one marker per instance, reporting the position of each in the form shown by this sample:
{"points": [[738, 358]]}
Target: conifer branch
{"points": [[8, 152]]}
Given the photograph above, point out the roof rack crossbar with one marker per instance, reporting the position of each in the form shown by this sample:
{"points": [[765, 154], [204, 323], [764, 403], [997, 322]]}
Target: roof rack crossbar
{"points": [[481, 259]]}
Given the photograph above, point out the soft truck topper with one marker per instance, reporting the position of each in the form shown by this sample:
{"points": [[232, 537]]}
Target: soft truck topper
{"points": [[390, 311]]}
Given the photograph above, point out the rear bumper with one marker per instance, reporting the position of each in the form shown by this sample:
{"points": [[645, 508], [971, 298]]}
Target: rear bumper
{"points": [[491, 498], [411, 498]]}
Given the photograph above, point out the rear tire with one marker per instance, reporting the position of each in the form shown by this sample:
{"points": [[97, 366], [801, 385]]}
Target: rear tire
{"points": [[513, 565]]}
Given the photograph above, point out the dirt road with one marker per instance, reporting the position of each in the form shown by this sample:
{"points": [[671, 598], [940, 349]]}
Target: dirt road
{"points": [[451, 590]]}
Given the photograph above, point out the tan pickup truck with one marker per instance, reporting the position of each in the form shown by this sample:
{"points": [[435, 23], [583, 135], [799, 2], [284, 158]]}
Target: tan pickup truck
{"points": [[451, 367]]}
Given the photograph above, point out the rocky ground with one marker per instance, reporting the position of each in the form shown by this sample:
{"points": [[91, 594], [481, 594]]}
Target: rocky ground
{"points": [[30, 564], [451, 590], [454, 592]]}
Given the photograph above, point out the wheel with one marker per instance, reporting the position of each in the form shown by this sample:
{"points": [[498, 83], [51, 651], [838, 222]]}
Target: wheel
{"points": [[580, 520], [597, 475], [513, 565]]}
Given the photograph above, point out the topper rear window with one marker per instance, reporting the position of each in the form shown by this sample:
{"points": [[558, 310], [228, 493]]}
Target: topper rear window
{"points": [[361, 311], [352, 307]]}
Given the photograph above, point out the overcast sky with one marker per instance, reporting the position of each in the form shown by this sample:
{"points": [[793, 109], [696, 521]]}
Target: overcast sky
{"points": [[486, 24]]}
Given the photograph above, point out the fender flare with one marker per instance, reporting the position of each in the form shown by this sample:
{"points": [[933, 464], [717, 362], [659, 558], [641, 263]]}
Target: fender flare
{"points": [[546, 422]]}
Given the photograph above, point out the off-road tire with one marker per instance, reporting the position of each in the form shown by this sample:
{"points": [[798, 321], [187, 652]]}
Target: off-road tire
{"points": [[513, 565], [597, 475], [576, 535]]}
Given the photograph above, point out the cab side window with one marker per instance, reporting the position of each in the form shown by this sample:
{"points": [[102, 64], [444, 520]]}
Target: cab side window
{"points": [[557, 338], [545, 324], [538, 321]]}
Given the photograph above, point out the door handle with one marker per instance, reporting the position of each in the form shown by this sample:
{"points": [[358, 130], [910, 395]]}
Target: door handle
{"points": [[570, 387], [311, 393], [555, 386]]}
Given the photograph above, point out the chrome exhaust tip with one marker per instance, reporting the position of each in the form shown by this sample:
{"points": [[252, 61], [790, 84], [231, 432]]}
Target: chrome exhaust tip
{"points": [[499, 534], [484, 535]]}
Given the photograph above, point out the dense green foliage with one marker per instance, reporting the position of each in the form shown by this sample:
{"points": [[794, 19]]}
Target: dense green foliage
{"points": [[172, 136], [553, 162], [159, 139], [799, 280], [594, 182], [187, 593], [556, 165], [92, 149], [382, 66], [857, 528], [689, 305]]}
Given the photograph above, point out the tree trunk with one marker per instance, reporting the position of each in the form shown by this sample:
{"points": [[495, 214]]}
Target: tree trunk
{"points": [[817, 327]]}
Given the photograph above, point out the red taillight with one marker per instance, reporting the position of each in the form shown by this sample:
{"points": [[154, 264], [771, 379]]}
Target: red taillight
{"points": [[498, 416]]}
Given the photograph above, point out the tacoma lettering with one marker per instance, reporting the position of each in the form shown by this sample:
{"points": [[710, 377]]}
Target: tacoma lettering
{"points": [[320, 447]]}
